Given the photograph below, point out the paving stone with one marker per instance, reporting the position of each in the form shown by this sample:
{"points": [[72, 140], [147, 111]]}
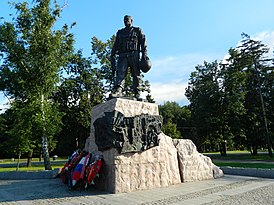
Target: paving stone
{"points": [[227, 190]]}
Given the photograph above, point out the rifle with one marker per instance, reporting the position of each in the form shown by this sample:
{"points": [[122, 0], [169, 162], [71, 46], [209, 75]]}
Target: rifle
{"points": [[113, 68]]}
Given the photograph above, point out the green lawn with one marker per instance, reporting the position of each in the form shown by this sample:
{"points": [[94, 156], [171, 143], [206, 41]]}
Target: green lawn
{"points": [[242, 159], [10, 161], [59, 163], [245, 165], [229, 160], [24, 169], [241, 155]]}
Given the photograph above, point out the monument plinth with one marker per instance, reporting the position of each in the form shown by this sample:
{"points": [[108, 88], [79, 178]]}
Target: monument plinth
{"points": [[171, 162], [129, 108]]}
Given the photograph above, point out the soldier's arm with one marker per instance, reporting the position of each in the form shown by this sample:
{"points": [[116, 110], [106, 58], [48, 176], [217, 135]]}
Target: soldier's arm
{"points": [[112, 56], [115, 45], [143, 44]]}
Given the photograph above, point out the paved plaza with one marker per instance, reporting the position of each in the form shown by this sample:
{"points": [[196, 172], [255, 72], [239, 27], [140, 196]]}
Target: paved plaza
{"points": [[230, 189]]}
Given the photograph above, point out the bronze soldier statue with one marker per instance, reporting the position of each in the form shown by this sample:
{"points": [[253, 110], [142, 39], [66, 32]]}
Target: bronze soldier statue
{"points": [[129, 43]]}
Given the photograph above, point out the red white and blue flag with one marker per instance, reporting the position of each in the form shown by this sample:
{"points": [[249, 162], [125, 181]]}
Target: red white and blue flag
{"points": [[79, 171]]}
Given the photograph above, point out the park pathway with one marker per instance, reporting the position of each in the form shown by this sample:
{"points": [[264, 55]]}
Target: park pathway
{"points": [[226, 190]]}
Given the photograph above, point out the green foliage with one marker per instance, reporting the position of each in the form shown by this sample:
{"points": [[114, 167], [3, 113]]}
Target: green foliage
{"points": [[24, 127], [150, 99], [32, 54], [255, 66], [233, 101], [205, 96], [77, 94], [176, 119], [100, 54], [170, 129]]}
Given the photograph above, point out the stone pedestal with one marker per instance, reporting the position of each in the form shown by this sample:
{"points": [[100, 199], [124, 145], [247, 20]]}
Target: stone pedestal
{"points": [[172, 162], [193, 165], [156, 167], [129, 108]]}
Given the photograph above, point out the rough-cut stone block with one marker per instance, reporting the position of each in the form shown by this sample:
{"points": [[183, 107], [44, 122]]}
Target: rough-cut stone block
{"points": [[193, 165], [217, 172], [129, 108], [172, 162], [155, 167]]}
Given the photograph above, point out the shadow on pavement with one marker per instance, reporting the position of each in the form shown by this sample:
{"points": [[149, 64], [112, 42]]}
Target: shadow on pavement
{"points": [[51, 189]]}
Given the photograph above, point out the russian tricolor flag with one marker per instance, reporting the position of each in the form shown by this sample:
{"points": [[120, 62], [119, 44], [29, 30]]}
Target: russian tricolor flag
{"points": [[79, 170]]}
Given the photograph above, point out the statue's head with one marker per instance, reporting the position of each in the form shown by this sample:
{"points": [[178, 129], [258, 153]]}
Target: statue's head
{"points": [[128, 20]]}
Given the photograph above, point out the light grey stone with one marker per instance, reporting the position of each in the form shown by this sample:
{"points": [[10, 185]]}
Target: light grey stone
{"points": [[172, 162], [194, 166]]}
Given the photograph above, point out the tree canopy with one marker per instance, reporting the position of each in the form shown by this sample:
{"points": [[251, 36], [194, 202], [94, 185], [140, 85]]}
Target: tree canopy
{"points": [[52, 88], [231, 101], [32, 54]]}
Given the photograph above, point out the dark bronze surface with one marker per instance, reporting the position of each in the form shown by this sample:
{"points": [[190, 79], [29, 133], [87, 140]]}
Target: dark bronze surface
{"points": [[129, 43], [127, 134]]}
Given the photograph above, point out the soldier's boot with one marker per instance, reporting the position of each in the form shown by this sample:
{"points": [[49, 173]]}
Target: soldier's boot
{"points": [[137, 96], [117, 93]]}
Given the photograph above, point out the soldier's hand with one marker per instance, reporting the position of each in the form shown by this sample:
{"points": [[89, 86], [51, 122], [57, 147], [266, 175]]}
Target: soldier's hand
{"points": [[145, 57]]}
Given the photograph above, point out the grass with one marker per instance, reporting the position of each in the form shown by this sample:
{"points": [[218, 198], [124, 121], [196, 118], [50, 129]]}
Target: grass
{"points": [[245, 165], [24, 169], [230, 152], [12, 160], [250, 161], [241, 155], [242, 159], [59, 163]]}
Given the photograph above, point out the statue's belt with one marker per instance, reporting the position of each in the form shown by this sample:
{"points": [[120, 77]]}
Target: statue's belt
{"points": [[128, 53]]}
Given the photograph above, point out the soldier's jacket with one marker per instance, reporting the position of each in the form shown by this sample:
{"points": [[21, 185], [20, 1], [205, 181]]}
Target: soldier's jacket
{"points": [[128, 40]]}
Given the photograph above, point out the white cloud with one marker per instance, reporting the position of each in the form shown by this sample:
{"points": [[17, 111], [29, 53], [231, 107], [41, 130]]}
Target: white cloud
{"points": [[267, 38], [169, 76], [169, 92], [176, 67]]}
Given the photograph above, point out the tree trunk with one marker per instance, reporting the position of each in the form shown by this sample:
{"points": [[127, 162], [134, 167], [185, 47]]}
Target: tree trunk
{"points": [[223, 149], [29, 158], [250, 149], [255, 150], [40, 156], [18, 162], [268, 140], [46, 153], [45, 150]]}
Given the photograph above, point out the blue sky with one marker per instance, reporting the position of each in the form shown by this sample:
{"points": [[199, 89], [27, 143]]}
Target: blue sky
{"points": [[180, 33]]}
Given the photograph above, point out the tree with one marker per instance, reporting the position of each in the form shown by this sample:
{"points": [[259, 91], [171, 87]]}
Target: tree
{"points": [[79, 91], [258, 68], [205, 98], [233, 102], [268, 91], [5, 122], [234, 89], [170, 129], [32, 54], [176, 118]]}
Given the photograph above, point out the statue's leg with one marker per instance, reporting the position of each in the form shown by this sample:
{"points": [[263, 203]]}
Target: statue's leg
{"points": [[135, 72], [122, 65]]}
